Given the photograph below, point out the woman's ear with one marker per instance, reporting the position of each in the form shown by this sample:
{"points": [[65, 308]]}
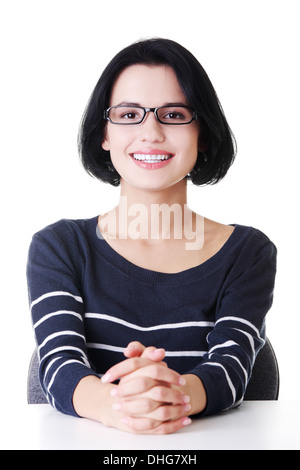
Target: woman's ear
{"points": [[105, 143]]}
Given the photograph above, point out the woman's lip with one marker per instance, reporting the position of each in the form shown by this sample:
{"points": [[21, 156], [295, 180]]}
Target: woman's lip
{"points": [[152, 164]]}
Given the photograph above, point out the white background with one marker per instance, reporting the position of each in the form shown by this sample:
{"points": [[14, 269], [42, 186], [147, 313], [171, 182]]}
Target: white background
{"points": [[52, 55]]}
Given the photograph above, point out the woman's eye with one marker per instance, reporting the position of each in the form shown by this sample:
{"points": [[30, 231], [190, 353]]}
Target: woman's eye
{"points": [[175, 116], [180, 115], [129, 115]]}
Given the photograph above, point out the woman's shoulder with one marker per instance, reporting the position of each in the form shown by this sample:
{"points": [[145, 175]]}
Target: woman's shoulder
{"points": [[241, 241], [254, 236], [220, 231], [64, 226], [69, 237]]}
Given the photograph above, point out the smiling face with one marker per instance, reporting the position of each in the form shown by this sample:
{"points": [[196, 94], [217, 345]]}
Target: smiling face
{"points": [[151, 155]]}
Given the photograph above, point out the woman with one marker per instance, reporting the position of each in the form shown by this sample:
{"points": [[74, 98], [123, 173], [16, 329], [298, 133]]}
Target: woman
{"points": [[182, 297]]}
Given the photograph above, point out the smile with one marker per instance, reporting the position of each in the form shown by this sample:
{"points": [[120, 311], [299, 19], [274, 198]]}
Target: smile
{"points": [[150, 157]]}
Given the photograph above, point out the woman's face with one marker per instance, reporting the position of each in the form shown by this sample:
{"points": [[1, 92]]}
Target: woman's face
{"points": [[129, 146]]}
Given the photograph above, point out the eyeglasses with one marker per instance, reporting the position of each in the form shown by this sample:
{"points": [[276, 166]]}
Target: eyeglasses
{"points": [[128, 115]]}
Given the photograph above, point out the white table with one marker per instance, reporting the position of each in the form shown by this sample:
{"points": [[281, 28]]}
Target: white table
{"points": [[254, 425]]}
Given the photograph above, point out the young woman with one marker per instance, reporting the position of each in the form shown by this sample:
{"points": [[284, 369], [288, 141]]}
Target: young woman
{"points": [[151, 313]]}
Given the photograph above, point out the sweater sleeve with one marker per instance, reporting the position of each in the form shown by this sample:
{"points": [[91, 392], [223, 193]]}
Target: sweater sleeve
{"points": [[239, 332], [57, 309]]}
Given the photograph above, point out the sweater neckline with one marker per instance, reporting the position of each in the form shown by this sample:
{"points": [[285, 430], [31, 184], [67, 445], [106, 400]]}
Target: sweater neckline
{"points": [[146, 275]]}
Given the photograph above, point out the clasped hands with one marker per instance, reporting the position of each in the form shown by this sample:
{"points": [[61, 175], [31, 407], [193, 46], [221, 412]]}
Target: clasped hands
{"points": [[150, 397]]}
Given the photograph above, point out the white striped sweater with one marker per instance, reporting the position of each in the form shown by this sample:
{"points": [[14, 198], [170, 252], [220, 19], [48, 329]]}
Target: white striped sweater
{"points": [[87, 303]]}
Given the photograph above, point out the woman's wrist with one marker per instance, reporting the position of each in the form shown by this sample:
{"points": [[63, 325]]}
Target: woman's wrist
{"points": [[92, 399]]}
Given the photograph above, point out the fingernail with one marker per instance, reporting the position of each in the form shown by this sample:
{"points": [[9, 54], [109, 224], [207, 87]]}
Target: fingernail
{"points": [[187, 407], [186, 421], [158, 351], [106, 378], [186, 399], [114, 392], [181, 381]]}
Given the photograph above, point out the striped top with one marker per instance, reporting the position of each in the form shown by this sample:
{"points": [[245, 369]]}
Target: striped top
{"points": [[88, 302]]}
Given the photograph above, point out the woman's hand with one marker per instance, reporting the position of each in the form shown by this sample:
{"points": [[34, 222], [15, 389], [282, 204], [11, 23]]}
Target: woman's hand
{"points": [[148, 396]]}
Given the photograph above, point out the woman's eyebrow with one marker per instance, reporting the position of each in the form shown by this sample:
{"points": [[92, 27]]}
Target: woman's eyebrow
{"points": [[128, 103]]}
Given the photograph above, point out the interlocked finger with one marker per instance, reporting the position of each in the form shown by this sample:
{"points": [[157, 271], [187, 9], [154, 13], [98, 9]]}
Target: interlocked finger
{"points": [[156, 372], [135, 364], [137, 386], [139, 407]]}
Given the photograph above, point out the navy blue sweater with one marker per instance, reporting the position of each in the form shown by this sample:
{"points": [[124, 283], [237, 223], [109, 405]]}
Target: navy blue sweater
{"points": [[88, 302]]}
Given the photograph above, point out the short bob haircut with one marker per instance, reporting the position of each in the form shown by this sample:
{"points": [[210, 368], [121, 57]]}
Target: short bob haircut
{"points": [[210, 166]]}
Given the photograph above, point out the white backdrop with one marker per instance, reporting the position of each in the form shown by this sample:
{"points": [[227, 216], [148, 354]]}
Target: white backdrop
{"points": [[53, 52]]}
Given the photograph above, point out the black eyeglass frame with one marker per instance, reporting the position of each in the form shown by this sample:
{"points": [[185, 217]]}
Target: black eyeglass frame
{"points": [[147, 110]]}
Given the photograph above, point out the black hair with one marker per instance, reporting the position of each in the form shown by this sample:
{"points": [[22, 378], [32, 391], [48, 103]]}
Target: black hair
{"points": [[210, 166]]}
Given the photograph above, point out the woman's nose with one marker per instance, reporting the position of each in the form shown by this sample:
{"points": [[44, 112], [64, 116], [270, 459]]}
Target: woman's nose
{"points": [[151, 130]]}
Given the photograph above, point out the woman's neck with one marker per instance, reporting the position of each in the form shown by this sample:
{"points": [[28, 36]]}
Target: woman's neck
{"points": [[149, 214], [176, 194]]}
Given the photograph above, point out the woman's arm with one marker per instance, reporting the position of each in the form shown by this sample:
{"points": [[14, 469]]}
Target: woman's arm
{"points": [[240, 330], [57, 311]]}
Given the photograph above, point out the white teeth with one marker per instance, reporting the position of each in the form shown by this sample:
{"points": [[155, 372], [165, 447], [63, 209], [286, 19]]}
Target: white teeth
{"points": [[150, 158]]}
